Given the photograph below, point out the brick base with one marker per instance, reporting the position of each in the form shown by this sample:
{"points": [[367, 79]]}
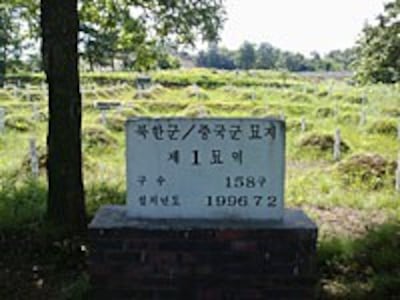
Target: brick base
{"points": [[201, 260]]}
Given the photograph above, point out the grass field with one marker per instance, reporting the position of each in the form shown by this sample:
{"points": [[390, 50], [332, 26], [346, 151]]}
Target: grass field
{"points": [[353, 200]]}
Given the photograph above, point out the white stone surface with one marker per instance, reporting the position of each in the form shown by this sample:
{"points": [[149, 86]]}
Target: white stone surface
{"points": [[336, 145], [205, 168]]}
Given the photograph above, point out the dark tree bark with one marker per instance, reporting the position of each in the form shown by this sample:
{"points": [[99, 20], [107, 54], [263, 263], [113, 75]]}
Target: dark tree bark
{"points": [[59, 23]]}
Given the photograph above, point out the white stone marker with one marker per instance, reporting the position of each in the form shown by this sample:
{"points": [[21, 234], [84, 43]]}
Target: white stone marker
{"points": [[336, 146], [34, 157], [35, 112], [2, 117], [303, 124], [103, 117], [15, 91], [205, 168]]}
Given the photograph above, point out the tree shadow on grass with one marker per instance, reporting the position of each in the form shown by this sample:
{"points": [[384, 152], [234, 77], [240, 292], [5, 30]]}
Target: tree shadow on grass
{"points": [[365, 268], [36, 261]]}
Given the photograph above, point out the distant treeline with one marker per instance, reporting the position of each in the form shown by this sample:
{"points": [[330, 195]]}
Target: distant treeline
{"points": [[267, 57]]}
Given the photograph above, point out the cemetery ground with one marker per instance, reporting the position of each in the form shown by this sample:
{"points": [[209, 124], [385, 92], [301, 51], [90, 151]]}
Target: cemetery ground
{"points": [[352, 199]]}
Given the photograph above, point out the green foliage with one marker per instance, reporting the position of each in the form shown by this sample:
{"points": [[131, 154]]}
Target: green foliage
{"points": [[20, 202], [267, 57], [379, 47], [246, 57], [214, 57], [364, 268], [138, 32], [353, 265]]}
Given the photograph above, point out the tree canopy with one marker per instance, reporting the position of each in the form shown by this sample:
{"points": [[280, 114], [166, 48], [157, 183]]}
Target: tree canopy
{"points": [[110, 28], [267, 57], [378, 49]]}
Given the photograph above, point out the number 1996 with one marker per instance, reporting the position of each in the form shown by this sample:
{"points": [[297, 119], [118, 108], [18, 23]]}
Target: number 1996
{"points": [[241, 201]]}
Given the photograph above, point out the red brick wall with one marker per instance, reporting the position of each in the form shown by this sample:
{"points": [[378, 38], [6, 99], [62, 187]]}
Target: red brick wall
{"points": [[202, 264]]}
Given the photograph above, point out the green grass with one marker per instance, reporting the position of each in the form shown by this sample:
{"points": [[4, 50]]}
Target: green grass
{"points": [[359, 231]]}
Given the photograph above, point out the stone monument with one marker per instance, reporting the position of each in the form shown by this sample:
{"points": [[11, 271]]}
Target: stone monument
{"points": [[205, 216]]}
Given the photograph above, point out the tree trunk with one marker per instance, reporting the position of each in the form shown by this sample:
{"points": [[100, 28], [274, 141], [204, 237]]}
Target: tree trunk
{"points": [[65, 206]]}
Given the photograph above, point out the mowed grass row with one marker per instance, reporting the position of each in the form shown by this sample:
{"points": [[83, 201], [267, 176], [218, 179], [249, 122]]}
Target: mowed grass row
{"points": [[347, 198]]}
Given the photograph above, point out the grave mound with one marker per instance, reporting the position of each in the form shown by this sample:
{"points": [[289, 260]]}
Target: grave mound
{"points": [[392, 111], [386, 127], [370, 168], [324, 112], [322, 142], [144, 94], [95, 137], [5, 95], [302, 97], [158, 89], [249, 95], [196, 110], [196, 92], [353, 99], [260, 111], [114, 122], [18, 122], [134, 111], [349, 117], [230, 89]]}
